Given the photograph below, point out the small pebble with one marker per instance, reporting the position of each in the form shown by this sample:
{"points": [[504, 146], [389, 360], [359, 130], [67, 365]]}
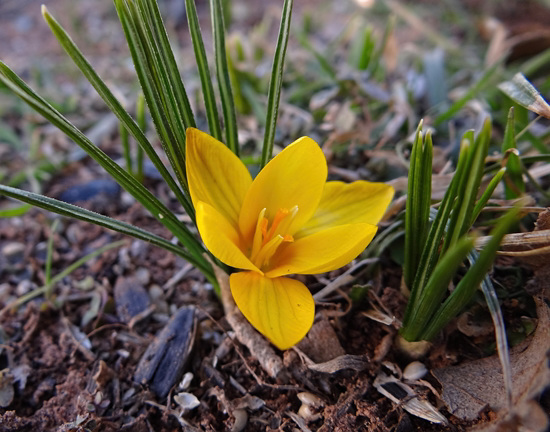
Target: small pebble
{"points": [[186, 381], [414, 371], [151, 170], [7, 391], [138, 248], [124, 260], [143, 276], [126, 199], [310, 399], [24, 274], [130, 298], [308, 414], [14, 253], [24, 287], [187, 401], [241, 419], [41, 251]]}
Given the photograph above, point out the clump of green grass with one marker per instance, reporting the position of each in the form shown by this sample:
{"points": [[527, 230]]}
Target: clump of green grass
{"points": [[166, 99]]}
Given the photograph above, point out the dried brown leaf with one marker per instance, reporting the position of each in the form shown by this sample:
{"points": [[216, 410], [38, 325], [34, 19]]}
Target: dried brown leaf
{"points": [[469, 388]]}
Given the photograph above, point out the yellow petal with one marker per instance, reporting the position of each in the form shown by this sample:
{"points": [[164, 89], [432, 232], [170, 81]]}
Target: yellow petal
{"points": [[323, 251], [215, 175], [221, 238], [348, 203], [295, 177], [281, 309]]}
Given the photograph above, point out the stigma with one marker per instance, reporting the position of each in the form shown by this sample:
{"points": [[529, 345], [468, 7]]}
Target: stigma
{"points": [[269, 235]]}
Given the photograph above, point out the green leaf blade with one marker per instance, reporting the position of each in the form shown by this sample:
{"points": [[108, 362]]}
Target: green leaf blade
{"points": [[126, 180], [275, 83], [466, 288], [222, 72], [114, 105], [204, 72], [70, 210]]}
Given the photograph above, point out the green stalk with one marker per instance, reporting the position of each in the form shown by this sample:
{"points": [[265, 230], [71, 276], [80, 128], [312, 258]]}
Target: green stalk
{"points": [[176, 83], [142, 123], [172, 114], [114, 105], [204, 72], [47, 288], [436, 287], [514, 174], [148, 82], [468, 188], [80, 213], [222, 72], [127, 181], [14, 211], [275, 84], [418, 203], [49, 257], [467, 287], [431, 251], [471, 93], [487, 194], [125, 141]]}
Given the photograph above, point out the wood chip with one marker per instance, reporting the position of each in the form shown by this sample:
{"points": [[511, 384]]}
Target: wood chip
{"points": [[131, 299], [161, 366]]}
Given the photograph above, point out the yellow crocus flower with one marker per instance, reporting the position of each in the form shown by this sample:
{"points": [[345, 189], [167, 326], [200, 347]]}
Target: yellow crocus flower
{"points": [[288, 220]]}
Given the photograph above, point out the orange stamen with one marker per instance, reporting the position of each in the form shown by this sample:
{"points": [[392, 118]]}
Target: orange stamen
{"points": [[279, 216], [268, 237]]}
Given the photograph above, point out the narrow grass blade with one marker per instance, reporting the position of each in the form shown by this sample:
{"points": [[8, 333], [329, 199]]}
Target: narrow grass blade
{"points": [[125, 141], [471, 93], [76, 212], [487, 194], [535, 63], [222, 72], [514, 186], [161, 36], [461, 219], [168, 82], [153, 97], [418, 204], [49, 253], [374, 62], [431, 251], [361, 48], [276, 83], [127, 181], [251, 98], [466, 288], [47, 288], [114, 105], [142, 123], [14, 211], [204, 72], [436, 288], [174, 117], [523, 160], [325, 64]]}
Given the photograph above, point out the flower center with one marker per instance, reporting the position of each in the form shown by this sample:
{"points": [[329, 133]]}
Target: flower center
{"points": [[268, 238]]}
